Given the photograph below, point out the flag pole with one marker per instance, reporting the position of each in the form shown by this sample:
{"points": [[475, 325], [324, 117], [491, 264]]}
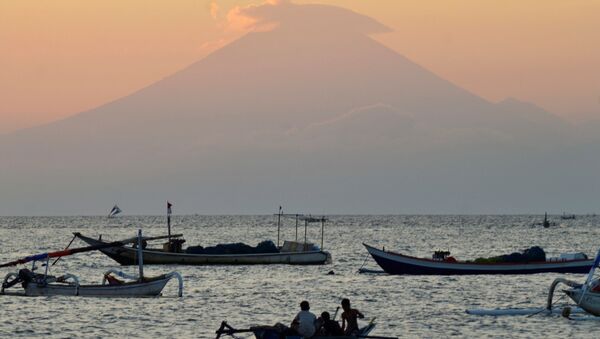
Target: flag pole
{"points": [[169, 224]]}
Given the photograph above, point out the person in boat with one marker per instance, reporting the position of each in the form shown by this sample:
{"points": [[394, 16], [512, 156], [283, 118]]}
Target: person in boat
{"points": [[329, 327], [305, 321], [350, 318]]}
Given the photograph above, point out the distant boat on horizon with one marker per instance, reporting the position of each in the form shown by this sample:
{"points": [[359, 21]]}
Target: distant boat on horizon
{"points": [[114, 211], [566, 216]]}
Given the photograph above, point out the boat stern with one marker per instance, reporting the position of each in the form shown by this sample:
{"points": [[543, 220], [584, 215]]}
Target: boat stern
{"points": [[328, 258]]}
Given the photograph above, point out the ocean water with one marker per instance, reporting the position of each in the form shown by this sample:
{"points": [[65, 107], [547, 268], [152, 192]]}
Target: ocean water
{"points": [[405, 306]]}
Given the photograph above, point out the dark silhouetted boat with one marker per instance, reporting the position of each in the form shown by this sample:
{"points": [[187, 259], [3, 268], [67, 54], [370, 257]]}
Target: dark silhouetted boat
{"points": [[396, 263]]}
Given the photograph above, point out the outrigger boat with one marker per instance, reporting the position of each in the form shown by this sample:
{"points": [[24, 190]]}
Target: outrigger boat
{"points": [[44, 284], [291, 252], [586, 297], [275, 332], [443, 264]]}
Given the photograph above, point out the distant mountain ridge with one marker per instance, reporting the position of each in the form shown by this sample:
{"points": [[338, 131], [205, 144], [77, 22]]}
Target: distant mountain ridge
{"points": [[309, 112]]}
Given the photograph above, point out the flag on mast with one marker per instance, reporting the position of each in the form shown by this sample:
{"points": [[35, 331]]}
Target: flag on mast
{"points": [[169, 210]]}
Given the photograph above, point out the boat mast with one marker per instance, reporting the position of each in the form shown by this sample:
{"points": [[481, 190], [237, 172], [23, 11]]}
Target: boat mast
{"points": [[278, 225], [169, 223], [140, 256], [305, 228], [322, 231], [296, 227]]}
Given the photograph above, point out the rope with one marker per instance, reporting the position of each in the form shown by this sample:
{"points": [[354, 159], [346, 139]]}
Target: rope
{"points": [[545, 309], [364, 262]]}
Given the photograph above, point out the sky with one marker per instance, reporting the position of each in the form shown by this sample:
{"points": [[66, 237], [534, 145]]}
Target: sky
{"points": [[62, 57]]}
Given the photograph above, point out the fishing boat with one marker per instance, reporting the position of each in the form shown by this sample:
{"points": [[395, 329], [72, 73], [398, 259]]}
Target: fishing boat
{"points": [[586, 297], [271, 332], [172, 252], [442, 264], [114, 283], [566, 216], [114, 211], [545, 223]]}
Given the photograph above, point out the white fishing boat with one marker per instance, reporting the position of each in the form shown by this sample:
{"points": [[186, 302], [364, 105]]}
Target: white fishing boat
{"points": [[586, 297], [114, 283]]}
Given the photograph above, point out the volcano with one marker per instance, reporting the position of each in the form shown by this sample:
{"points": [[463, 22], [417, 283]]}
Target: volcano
{"points": [[314, 113]]}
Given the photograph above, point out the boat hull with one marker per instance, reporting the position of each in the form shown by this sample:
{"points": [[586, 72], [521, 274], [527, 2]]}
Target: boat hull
{"points": [[590, 301], [129, 290], [364, 331], [395, 263], [125, 255]]}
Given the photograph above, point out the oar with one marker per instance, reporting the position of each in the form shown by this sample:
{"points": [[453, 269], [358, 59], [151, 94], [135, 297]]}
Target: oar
{"points": [[336, 312]]}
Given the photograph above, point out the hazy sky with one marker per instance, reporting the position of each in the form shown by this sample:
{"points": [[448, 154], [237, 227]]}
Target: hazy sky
{"points": [[62, 57]]}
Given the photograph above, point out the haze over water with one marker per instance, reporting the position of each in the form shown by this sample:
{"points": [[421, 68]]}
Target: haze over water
{"points": [[406, 306]]}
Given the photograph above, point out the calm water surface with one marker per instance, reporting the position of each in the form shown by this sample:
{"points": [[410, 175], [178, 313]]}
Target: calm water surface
{"points": [[406, 306]]}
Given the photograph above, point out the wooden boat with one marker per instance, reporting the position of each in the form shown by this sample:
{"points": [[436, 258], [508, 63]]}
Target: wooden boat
{"points": [[566, 216], [586, 295], [269, 332], [545, 223], [125, 255], [172, 253], [396, 263], [44, 284], [35, 285]]}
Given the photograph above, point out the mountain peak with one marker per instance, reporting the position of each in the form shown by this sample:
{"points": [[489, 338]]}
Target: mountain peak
{"points": [[305, 18]]}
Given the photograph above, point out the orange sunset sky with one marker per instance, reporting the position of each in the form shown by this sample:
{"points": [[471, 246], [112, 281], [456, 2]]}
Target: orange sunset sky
{"points": [[61, 57]]}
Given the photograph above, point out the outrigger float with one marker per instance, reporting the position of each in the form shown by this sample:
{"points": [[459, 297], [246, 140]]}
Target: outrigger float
{"points": [[172, 253], [44, 284], [586, 297]]}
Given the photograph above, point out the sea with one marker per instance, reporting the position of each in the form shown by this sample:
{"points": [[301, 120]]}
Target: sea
{"points": [[402, 306]]}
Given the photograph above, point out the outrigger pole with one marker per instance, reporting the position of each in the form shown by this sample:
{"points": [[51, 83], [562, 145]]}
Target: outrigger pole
{"points": [[64, 253]]}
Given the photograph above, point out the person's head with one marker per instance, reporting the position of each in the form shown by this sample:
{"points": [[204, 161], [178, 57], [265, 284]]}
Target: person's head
{"points": [[345, 304], [325, 316], [304, 306]]}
